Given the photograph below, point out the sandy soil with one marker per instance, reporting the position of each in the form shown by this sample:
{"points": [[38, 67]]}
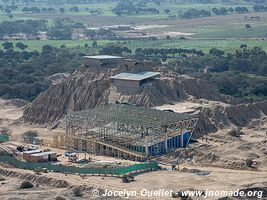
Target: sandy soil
{"points": [[218, 179]]}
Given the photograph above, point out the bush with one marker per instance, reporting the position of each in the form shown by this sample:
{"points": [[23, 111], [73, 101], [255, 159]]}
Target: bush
{"points": [[77, 192], [60, 198], [249, 162], [26, 184], [30, 133], [127, 178], [235, 132]]}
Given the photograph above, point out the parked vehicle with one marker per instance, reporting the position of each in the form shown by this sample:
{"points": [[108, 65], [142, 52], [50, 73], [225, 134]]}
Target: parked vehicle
{"points": [[70, 154]]}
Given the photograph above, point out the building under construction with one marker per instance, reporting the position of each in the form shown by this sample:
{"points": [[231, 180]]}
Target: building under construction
{"points": [[127, 131]]}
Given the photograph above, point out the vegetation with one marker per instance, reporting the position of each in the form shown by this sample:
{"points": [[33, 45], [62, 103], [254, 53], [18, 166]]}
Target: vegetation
{"points": [[29, 68], [47, 44], [127, 178], [60, 198], [30, 133], [25, 185], [22, 73], [77, 191], [129, 8]]}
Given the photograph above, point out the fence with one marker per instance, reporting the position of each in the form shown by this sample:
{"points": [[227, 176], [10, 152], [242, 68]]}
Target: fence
{"points": [[4, 138], [71, 169]]}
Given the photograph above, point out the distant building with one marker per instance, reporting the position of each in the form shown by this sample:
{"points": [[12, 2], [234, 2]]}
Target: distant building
{"points": [[43, 157], [130, 83], [106, 60], [27, 154], [119, 27], [209, 69], [78, 34]]}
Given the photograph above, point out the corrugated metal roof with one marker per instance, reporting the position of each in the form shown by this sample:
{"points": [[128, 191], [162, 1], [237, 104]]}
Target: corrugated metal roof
{"points": [[135, 76], [43, 154], [102, 57], [33, 151]]}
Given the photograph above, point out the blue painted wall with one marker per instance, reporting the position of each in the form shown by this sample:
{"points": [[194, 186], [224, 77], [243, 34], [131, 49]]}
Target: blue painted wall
{"points": [[159, 148], [173, 143]]}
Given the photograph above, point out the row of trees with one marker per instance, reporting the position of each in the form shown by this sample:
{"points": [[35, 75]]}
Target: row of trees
{"points": [[61, 28], [166, 53], [260, 8], [22, 72], [9, 45], [241, 73], [22, 26], [195, 13], [100, 34], [36, 10], [129, 8]]}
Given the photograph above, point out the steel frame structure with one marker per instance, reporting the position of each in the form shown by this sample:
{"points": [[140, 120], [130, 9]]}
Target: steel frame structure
{"points": [[119, 129]]}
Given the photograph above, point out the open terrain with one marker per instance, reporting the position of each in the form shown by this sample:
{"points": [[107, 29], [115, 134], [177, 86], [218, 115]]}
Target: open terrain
{"points": [[205, 45], [226, 32], [224, 87], [222, 153], [220, 178]]}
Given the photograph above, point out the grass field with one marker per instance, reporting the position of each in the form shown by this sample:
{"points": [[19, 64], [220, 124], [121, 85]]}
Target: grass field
{"points": [[106, 8], [204, 45], [223, 32]]}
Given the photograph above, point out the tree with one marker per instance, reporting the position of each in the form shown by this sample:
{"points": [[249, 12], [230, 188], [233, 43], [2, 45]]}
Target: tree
{"points": [[74, 9], [8, 11], [216, 52], [216, 11], [94, 44], [62, 10], [26, 184], [241, 10], [25, 10], [10, 16], [223, 11], [21, 46], [8, 45], [77, 192], [248, 27], [90, 33], [167, 11]]}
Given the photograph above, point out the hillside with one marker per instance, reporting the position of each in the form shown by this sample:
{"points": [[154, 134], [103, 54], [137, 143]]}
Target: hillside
{"points": [[90, 87]]}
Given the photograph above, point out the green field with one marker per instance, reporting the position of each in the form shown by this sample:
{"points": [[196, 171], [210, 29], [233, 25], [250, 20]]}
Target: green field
{"points": [[204, 45], [224, 32]]}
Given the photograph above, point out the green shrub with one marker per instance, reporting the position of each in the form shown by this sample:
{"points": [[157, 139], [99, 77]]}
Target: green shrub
{"points": [[60, 198], [26, 184], [77, 192], [30, 133]]}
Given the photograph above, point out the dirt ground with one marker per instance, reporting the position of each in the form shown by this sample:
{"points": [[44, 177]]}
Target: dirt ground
{"points": [[218, 179]]}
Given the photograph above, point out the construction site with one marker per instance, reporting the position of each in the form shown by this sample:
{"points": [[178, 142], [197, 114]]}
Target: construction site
{"points": [[101, 124], [128, 132]]}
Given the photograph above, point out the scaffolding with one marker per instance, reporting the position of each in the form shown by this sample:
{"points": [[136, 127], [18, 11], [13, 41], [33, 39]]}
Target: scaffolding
{"points": [[126, 131]]}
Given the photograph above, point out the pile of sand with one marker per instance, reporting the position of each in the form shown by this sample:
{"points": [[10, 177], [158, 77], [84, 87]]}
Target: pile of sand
{"points": [[42, 180], [90, 87]]}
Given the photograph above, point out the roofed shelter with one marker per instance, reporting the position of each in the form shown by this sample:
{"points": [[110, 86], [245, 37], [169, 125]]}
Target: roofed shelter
{"points": [[130, 82], [102, 60]]}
